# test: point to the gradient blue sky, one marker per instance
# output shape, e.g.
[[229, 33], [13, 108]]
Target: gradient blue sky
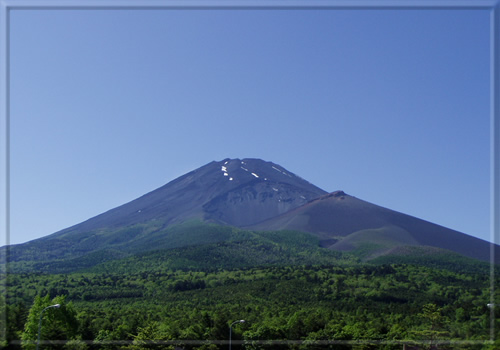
[[391, 106]]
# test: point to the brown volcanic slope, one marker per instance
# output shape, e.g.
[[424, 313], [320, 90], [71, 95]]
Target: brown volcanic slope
[[346, 223]]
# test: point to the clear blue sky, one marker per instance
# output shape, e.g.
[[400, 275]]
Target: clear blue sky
[[391, 106]]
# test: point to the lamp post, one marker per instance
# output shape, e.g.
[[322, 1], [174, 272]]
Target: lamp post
[[492, 306], [231, 329], [40, 323]]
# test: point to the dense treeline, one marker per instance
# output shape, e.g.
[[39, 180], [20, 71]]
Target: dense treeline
[[285, 307]]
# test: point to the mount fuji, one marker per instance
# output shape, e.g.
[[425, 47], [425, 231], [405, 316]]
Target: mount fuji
[[249, 194]]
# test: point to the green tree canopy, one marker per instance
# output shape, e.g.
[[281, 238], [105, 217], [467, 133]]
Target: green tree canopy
[[58, 325]]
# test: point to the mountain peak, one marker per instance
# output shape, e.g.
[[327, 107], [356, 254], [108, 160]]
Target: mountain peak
[[231, 191], [253, 168], [259, 190]]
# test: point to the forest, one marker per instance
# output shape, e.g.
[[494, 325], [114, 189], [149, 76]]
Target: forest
[[284, 307], [290, 293]]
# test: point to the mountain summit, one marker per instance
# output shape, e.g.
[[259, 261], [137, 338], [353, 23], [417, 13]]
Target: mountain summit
[[254, 195], [230, 192]]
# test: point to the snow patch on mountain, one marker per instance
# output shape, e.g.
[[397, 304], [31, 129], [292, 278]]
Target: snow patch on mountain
[[224, 170], [281, 171]]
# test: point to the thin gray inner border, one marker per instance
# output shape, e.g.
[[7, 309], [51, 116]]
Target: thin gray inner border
[[493, 5]]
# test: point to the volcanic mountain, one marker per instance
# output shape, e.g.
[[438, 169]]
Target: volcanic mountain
[[251, 194], [229, 192]]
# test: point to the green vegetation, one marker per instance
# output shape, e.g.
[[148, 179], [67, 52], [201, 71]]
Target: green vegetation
[[193, 245], [292, 294]]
